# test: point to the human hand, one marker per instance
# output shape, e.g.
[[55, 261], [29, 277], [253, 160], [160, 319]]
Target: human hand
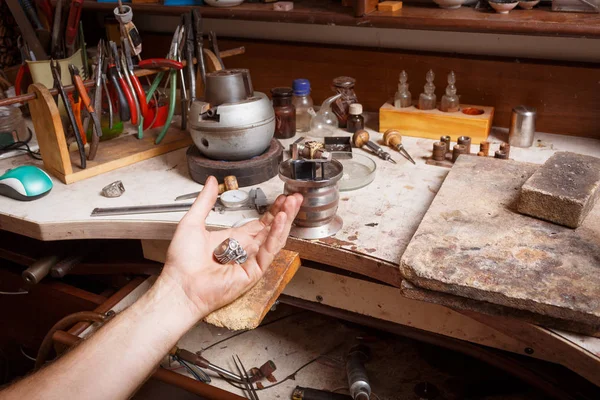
[[208, 284]]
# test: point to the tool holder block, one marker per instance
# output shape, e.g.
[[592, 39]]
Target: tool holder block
[[470, 120]]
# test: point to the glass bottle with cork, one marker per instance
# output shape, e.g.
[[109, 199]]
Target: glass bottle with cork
[[356, 121], [344, 85], [285, 112], [303, 103]]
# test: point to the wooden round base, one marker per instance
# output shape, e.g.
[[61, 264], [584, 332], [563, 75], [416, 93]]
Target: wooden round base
[[248, 172]]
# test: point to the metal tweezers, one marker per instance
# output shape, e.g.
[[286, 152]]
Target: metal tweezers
[[250, 392]]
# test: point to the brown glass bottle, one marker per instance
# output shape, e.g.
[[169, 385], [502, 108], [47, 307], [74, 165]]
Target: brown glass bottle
[[343, 85], [285, 112], [356, 121]]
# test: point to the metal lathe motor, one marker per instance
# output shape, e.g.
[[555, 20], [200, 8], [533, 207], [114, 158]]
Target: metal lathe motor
[[233, 122]]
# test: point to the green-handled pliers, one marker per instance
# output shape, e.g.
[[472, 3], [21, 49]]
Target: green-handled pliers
[[173, 52]]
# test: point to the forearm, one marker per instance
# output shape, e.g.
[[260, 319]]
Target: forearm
[[120, 356]]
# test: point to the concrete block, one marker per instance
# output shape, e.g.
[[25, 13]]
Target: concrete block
[[563, 190]]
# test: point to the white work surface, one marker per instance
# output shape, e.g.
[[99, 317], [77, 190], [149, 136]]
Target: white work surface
[[379, 219]]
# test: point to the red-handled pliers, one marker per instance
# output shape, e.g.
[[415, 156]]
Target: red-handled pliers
[[154, 63], [126, 92], [135, 82]]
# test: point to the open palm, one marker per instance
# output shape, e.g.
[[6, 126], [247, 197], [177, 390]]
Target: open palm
[[207, 283]]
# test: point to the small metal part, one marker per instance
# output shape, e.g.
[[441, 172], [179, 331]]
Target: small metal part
[[339, 144], [115, 189], [447, 140], [522, 126], [484, 147], [39, 269], [252, 395], [358, 381], [501, 155], [439, 151], [465, 141], [505, 148], [64, 266], [457, 151], [150, 209], [310, 150], [230, 250]]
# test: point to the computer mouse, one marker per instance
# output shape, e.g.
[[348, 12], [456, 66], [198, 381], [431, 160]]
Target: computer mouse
[[25, 183]]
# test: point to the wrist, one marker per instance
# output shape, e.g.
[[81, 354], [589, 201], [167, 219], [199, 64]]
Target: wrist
[[169, 295]]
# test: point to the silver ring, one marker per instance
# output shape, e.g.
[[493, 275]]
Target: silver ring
[[230, 250]]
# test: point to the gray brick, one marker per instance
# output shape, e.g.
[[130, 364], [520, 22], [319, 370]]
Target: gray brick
[[563, 190]]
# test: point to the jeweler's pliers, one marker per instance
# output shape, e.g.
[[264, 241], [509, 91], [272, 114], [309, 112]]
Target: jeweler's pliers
[[126, 110], [173, 51], [81, 90], [55, 68], [136, 101]]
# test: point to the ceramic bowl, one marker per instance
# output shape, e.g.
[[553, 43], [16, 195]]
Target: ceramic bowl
[[528, 5], [223, 3], [503, 7], [449, 4]]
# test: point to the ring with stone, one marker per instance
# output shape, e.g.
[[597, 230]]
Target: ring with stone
[[230, 250]]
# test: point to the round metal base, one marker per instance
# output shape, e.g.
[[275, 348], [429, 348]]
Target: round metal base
[[318, 232]]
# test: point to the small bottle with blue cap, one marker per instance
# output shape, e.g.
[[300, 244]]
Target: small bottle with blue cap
[[303, 103]]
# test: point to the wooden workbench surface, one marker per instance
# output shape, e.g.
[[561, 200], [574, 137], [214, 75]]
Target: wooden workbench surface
[[379, 220]]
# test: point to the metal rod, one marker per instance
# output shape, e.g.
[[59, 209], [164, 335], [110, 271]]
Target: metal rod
[[157, 208]]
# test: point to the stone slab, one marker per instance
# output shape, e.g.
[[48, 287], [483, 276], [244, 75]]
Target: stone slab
[[563, 190], [462, 303], [472, 243]]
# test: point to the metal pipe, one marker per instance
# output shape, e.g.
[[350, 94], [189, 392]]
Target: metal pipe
[[39, 269]]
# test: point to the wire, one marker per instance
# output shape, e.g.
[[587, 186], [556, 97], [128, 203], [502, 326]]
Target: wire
[[242, 332], [205, 378], [20, 143], [13, 293], [27, 356]]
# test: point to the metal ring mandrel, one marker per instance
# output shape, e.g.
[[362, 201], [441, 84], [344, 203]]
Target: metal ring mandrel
[[230, 250]]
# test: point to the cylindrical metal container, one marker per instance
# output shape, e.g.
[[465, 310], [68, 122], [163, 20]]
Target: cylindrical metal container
[[228, 86], [522, 126], [317, 217]]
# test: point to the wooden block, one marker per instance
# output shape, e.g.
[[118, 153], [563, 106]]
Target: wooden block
[[564, 190], [389, 6], [248, 311], [432, 124]]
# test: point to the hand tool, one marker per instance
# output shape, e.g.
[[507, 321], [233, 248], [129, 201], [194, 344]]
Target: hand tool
[[75, 100], [212, 39], [361, 138], [358, 381], [229, 183], [173, 51], [83, 47], [23, 71], [30, 11], [302, 393], [98, 90], [26, 29], [183, 89], [189, 56], [39, 269], [72, 27], [154, 63], [56, 24], [126, 105], [133, 95], [252, 395], [104, 67], [78, 83], [124, 14], [55, 68], [197, 359], [197, 21], [392, 138], [138, 89], [45, 8]]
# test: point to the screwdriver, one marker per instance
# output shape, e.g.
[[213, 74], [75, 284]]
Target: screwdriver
[[392, 138], [361, 138]]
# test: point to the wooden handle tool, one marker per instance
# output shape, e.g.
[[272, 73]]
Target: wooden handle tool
[[393, 139], [361, 138]]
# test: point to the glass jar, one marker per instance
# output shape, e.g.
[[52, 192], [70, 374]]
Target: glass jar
[[285, 112], [12, 122], [303, 103], [356, 121], [343, 85]]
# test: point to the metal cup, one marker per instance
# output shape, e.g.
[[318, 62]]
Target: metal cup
[[522, 126]]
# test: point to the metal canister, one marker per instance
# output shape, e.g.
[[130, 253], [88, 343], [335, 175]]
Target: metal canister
[[317, 217], [522, 126]]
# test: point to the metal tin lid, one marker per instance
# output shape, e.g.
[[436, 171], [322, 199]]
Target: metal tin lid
[[525, 110], [282, 92], [355, 109], [344, 82]]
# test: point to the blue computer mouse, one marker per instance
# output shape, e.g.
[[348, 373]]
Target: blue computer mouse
[[25, 183]]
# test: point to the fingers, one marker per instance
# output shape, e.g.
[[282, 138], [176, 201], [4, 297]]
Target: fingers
[[274, 242], [269, 216], [290, 207], [204, 202]]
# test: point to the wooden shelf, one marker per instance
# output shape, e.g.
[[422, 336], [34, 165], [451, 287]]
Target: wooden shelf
[[539, 21]]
